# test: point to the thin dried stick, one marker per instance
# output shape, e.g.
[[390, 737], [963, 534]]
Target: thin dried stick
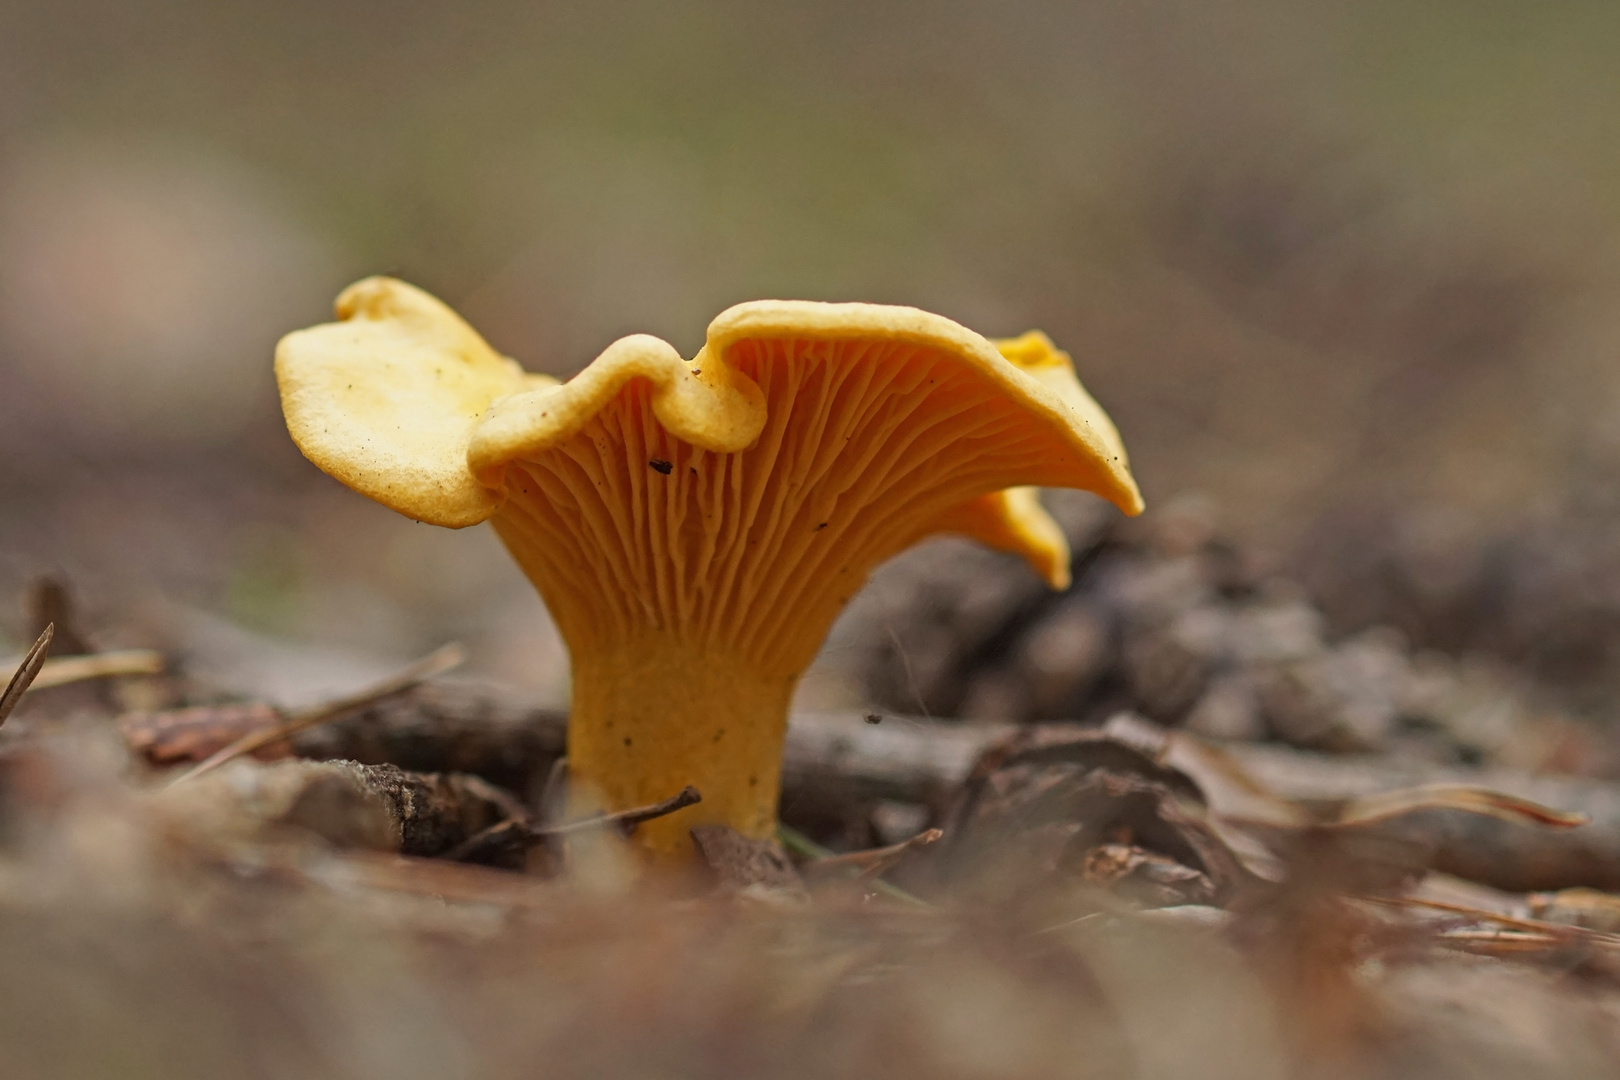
[[26, 673], [873, 861], [436, 663], [514, 833], [1501, 942], [800, 844], [626, 819], [1468, 798], [71, 669], [1564, 931]]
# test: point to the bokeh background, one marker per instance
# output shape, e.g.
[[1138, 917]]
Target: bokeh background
[[1347, 271]]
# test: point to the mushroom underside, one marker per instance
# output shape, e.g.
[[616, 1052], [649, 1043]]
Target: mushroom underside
[[694, 587]]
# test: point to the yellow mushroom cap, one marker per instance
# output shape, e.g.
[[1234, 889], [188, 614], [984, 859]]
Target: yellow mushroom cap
[[695, 526], [387, 398]]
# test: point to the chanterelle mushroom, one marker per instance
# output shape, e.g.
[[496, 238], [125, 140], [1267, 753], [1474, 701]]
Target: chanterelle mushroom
[[696, 525]]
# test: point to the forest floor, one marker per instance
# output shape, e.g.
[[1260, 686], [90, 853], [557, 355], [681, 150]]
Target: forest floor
[[1173, 825]]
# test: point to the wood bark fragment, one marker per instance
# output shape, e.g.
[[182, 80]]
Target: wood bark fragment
[[449, 725], [742, 864], [174, 736], [377, 807], [402, 682], [913, 759], [436, 812], [834, 760]]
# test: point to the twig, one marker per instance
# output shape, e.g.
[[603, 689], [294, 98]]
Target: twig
[[514, 832], [1387, 805], [436, 663], [873, 861], [26, 673], [71, 669], [1563, 931], [626, 819], [1501, 942], [800, 844]]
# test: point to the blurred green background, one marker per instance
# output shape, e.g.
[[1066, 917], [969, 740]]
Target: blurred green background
[[1319, 260]]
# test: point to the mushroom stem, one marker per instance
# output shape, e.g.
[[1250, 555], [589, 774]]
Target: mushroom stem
[[655, 713]]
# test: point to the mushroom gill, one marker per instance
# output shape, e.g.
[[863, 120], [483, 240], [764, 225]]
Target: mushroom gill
[[695, 526]]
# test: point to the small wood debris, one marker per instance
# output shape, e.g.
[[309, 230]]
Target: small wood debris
[[516, 833], [1587, 908], [740, 864], [25, 675], [196, 733], [874, 861], [443, 660]]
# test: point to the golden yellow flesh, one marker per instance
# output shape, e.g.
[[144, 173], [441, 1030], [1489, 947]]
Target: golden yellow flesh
[[387, 399], [695, 526], [694, 587]]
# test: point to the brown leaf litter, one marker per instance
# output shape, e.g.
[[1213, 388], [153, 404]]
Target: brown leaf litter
[[1105, 903]]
